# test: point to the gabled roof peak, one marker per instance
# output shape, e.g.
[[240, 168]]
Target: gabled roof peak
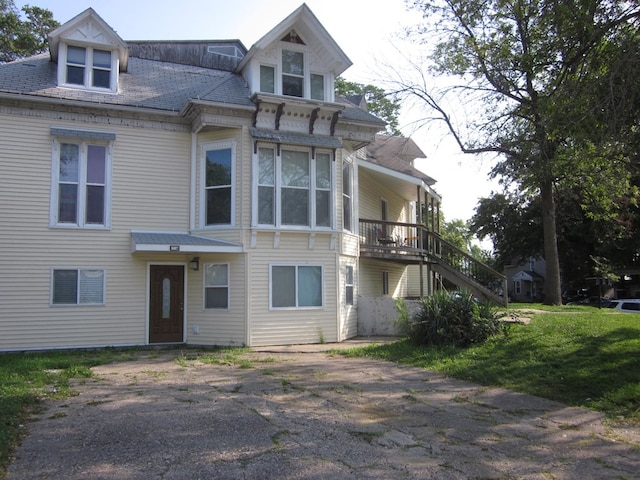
[[89, 27], [302, 27]]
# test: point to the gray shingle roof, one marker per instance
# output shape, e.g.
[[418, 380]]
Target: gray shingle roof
[[395, 153], [147, 83], [184, 242]]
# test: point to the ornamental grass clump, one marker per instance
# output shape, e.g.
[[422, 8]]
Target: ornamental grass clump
[[453, 319]]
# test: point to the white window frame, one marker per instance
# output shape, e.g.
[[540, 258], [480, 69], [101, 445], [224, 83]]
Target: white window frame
[[278, 72], [313, 188], [205, 286], [275, 77], [349, 285], [82, 183], [88, 68], [305, 72], [78, 302], [221, 145], [324, 86], [296, 267], [351, 227]]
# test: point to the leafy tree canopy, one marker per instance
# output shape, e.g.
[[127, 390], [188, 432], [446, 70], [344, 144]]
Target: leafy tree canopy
[[21, 37], [549, 88], [385, 106]]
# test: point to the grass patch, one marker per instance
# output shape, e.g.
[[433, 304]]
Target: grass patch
[[580, 356], [229, 356]]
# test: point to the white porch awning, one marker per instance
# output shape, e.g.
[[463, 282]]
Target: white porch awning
[[171, 242]]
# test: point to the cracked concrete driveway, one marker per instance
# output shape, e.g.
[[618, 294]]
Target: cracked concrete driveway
[[311, 415]]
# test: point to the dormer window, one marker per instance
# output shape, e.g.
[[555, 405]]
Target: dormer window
[[292, 73], [267, 79], [294, 81], [88, 67], [317, 86]]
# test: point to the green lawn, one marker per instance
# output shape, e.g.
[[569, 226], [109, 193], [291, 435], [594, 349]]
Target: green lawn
[[578, 355]]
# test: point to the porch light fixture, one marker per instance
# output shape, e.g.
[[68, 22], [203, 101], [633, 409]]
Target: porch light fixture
[[194, 264]]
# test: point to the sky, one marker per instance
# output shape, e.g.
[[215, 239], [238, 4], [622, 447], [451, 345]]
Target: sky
[[366, 30]]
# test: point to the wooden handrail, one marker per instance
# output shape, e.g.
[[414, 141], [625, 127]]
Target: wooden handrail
[[415, 239]]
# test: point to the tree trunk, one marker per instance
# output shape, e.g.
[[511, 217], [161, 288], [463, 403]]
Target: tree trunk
[[553, 292]]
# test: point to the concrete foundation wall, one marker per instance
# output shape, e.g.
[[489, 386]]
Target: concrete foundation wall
[[379, 315]]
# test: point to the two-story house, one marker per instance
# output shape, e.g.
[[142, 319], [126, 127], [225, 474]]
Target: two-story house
[[198, 192]]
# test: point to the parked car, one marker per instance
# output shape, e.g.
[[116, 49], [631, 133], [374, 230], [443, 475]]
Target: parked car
[[628, 305]]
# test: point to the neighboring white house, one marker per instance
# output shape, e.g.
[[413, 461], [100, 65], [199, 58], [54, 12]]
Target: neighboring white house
[[198, 192]]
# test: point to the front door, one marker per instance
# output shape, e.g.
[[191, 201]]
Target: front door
[[166, 304]]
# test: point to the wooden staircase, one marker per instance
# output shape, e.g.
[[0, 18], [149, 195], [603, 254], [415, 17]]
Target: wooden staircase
[[411, 244]]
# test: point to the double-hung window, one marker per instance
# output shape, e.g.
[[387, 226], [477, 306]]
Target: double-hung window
[[218, 178], [292, 73], [216, 286], [293, 188], [293, 78], [296, 286], [89, 67], [77, 286], [349, 285], [347, 196], [80, 190]]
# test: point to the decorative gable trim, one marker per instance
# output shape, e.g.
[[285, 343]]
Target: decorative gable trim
[[306, 25]]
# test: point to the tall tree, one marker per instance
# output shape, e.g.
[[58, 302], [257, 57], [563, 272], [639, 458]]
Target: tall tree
[[384, 105], [23, 37], [530, 72]]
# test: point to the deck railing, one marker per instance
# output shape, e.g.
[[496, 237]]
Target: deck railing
[[406, 242]]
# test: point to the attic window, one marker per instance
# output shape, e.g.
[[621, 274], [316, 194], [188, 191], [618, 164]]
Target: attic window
[[293, 37], [292, 73], [88, 67]]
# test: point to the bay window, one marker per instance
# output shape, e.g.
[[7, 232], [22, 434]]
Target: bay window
[[347, 196], [348, 285], [294, 188]]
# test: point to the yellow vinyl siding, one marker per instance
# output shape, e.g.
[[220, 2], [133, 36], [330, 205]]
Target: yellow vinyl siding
[[370, 278], [151, 180], [348, 327], [371, 193], [218, 326], [304, 325], [149, 190]]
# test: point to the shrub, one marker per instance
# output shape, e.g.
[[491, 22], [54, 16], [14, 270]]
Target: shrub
[[455, 319]]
